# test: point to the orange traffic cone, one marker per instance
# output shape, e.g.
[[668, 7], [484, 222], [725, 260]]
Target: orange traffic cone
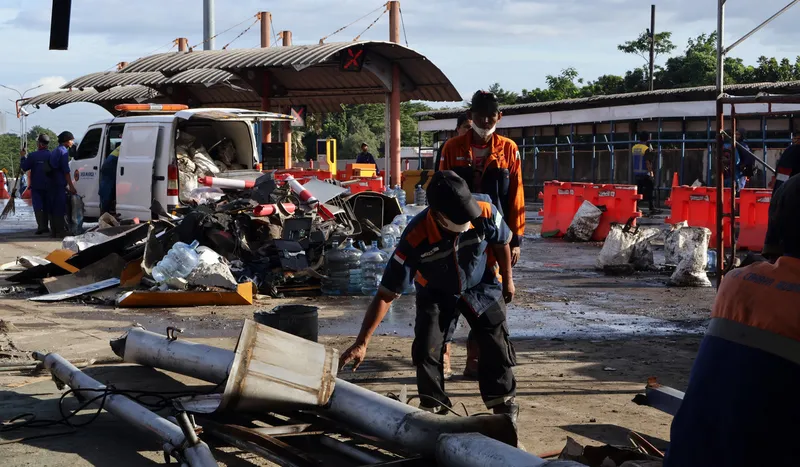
[[675, 179]]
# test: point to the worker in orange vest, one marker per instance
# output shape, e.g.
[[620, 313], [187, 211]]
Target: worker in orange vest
[[490, 164]]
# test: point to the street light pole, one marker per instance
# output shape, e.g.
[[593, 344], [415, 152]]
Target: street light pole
[[21, 116]]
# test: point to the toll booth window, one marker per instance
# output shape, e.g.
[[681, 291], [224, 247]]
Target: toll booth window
[[90, 144]]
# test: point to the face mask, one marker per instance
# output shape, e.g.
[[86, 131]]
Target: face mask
[[483, 133], [447, 224]]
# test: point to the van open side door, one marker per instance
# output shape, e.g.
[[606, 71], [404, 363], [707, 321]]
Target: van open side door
[[135, 170]]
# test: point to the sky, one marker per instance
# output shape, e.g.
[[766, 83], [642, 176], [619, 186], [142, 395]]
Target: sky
[[516, 43]]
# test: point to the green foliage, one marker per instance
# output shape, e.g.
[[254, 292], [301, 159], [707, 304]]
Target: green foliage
[[696, 66], [356, 124], [641, 46], [9, 147]]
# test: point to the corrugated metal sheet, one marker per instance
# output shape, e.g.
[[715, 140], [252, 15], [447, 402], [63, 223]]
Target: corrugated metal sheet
[[430, 82], [200, 76], [117, 94], [109, 79], [60, 97], [124, 93], [662, 95]]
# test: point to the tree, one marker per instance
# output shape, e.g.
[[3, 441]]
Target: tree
[[504, 97], [641, 45]]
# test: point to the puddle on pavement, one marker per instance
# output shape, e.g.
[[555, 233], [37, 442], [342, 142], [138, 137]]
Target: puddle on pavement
[[22, 219], [574, 320], [558, 320]]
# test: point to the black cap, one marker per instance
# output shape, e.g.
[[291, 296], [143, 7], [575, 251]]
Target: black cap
[[449, 194], [484, 102], [44, 139], [65, 136]]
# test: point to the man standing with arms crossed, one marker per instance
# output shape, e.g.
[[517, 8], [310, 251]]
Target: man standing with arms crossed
[[445, 248], [490, 164]]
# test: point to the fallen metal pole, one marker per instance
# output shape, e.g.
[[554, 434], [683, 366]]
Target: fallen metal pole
[[156, 350], [174, 441], [408, 427], [476, 450]]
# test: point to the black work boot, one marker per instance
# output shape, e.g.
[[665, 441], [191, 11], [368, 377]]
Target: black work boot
[[511, 408], [41, 222], [58, 227]]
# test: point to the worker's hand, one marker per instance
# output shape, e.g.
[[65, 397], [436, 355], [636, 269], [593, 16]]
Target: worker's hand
[[509, 290], [355, 354], [515, 252], [72, 190]]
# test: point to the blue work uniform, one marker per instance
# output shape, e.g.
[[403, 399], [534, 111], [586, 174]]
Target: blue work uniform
[[108, 181], [38, 163], [455, 274], [731, 164], [59, 161]]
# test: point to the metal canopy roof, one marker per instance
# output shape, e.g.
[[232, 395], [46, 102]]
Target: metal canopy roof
[[298, 75]]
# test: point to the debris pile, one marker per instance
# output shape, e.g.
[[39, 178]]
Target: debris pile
[[232, 239]]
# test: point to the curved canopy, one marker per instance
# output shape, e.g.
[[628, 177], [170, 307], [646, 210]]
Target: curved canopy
[[308, 75]]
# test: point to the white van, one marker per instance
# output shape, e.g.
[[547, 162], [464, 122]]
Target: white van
[[147, 169]]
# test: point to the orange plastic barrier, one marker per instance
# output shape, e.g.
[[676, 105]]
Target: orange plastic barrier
[[621, 202], [753, 216], [698, 207], [3, 191], [367, 184], [561, 202]]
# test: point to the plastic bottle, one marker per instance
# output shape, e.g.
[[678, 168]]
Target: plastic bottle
[[401, 195], [711, 261], [179, 262], [343, 270], [373, 263], [332, 284], [388, 239], [389, 191], [420, 198]]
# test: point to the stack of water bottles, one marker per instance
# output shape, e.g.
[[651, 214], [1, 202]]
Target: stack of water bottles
[[373, 263], [396, 192], [343, 270], [179, 262]]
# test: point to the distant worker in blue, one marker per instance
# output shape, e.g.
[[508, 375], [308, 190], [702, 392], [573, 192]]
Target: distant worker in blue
[[38, 163], [108, 182], [61, 182], [365, 157], [643, 170]]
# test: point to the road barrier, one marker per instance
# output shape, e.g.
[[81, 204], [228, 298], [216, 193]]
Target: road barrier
[[620, 201], [753, 218], [698, 207]]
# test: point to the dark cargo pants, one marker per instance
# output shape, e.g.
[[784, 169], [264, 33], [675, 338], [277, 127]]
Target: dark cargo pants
[[434, 326]]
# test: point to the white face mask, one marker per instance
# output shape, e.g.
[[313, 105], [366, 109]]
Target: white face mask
[[483, 133], [450, 225]]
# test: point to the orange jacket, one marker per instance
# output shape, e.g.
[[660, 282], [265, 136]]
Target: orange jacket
[[457, 152]]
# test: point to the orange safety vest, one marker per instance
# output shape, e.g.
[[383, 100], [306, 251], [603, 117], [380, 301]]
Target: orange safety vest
[[504, 154]]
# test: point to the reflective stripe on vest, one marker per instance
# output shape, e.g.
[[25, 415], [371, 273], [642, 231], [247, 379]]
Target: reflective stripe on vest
[[756, 338]]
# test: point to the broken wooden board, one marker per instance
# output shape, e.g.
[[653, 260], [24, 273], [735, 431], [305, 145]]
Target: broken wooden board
[[77, 292], [60, 257], [145, 298], [110, 267]]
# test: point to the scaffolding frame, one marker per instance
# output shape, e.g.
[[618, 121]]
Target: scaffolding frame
[[722, 99]]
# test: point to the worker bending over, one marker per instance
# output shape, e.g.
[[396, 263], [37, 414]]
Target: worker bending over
[[741, 405], [445, 248]]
